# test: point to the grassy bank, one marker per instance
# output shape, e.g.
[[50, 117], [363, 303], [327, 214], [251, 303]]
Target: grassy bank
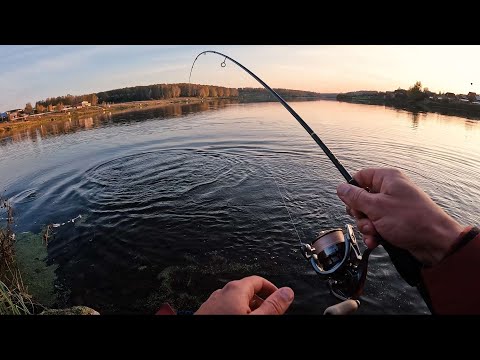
[[26, 282], [14, 298]]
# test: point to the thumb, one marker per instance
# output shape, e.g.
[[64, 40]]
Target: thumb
[[277, 303], [356, 198]]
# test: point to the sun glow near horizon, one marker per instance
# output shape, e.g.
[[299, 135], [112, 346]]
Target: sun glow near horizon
[[32, 73]]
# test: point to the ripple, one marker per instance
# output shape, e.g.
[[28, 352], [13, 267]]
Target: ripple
[[158, 192], [24, 196]]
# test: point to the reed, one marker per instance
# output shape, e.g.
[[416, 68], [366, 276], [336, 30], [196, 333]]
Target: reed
[[14, 298]]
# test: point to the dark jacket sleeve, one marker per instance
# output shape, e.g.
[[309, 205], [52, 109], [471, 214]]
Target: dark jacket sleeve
[[453, 285]]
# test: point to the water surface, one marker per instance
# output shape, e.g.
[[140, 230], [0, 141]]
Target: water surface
[[175, 202]]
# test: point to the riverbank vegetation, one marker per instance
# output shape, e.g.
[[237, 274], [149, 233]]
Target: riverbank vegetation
[[417, 99], [27, 282], [14, 298]]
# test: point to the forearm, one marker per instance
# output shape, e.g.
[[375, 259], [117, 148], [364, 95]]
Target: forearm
[[453, 284]]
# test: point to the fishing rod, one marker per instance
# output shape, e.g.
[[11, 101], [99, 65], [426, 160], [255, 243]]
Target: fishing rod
[[309, 130], [335, 255]]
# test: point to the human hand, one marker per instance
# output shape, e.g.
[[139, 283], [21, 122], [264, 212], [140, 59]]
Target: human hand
[[401, 213], [252, 295]]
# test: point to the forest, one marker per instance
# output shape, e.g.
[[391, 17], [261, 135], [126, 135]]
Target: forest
[[167, 91]]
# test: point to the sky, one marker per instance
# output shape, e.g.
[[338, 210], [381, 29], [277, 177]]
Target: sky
[[33, 73]]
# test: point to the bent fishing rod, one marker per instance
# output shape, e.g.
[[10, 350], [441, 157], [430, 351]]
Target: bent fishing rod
[[335, 255], [309, 130]]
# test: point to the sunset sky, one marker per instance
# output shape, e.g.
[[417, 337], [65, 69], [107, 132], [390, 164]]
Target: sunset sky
[[32, 73]]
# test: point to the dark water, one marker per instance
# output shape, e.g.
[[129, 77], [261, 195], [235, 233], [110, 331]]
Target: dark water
[[175, 202]]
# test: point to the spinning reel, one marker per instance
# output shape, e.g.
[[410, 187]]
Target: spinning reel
[[336, 258]]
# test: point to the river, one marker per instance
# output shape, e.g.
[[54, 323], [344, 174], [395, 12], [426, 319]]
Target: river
[[176, 201]]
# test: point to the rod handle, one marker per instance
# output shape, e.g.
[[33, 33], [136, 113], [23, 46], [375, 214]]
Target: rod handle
[[406, 264]]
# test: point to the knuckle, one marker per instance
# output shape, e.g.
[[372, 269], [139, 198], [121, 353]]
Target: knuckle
[[357, 195], [253, 277], [396, 172], [232, 285], [215, 294]]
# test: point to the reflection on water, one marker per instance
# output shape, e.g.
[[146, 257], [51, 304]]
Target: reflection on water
[[33, 131], [36, 131], [177, 201]]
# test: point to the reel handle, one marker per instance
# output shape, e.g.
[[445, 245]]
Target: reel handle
[[344, 308]]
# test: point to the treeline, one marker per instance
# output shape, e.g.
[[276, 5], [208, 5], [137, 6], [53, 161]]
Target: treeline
[[68, 100], [164, 91], [262, 93]]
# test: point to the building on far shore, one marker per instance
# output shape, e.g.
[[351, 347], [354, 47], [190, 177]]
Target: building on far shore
[[450, 96], [82, 105], [14, 114], [472, 96]]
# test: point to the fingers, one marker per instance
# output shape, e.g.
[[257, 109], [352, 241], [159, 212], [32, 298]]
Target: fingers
[[374, 178], [366, 226], [255, 302], [370, 241], [365, 177], [257, 285], [277, 303], [357, 198], [354, 213]]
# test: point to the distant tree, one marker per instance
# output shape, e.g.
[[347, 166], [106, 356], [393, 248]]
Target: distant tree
[[28, 108], [69, 100], [415, 92], [40, 108], [207, 91], [204, 92], [176, 91], [50, 107], [426, 90], [94, 99], [167, 91], [59, 107]]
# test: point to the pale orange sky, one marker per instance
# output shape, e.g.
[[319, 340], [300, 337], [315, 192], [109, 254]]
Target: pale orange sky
[[32, 73]]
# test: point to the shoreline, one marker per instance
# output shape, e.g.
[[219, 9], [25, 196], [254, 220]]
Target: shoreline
[[126, 107], [119, 108], [464, 111]]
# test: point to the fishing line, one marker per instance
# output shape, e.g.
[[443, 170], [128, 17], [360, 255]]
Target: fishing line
[[408, 266], [285, 204]]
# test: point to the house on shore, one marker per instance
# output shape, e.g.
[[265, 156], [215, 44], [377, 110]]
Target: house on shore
[[82, 105], [450, 96], [12, 115]]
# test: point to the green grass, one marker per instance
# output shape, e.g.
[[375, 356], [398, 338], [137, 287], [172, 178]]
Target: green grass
[[24, 255], [14, 302], [31, 254]]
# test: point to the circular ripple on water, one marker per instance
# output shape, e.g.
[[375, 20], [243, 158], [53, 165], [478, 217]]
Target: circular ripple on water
[[149, 210], [152, 210], [155, 206]]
